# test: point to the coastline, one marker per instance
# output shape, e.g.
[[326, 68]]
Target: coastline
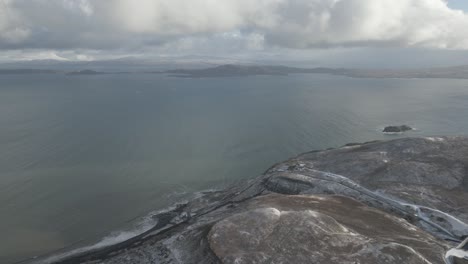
[[323, 174]]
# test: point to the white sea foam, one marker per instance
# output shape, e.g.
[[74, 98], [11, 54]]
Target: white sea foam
[[141, 226], [112, 239], [121, 236], [435, 139]]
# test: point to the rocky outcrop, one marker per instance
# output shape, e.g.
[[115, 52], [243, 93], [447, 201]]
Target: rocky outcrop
[[399, 201], [397, 129]]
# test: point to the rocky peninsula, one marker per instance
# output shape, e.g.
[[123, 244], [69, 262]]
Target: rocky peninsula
[[398, 201]]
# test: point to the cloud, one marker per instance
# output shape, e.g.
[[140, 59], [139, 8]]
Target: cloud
[[11, 31], [259, 24]]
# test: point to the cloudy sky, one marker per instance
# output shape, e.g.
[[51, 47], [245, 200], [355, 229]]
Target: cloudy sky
[[367, 32]]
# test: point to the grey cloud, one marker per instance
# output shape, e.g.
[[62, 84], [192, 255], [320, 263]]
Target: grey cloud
[[296, 24]]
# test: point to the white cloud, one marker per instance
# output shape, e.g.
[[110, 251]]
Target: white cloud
[[301, 24], [44, 55], [11, 30], [426, 23], [83, 6]]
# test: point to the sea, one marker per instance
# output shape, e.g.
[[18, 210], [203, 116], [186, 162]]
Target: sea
[[86, 160]]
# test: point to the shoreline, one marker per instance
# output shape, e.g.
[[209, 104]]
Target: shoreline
[[309, 174]]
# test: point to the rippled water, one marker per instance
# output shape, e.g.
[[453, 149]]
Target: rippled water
[[84, 155]]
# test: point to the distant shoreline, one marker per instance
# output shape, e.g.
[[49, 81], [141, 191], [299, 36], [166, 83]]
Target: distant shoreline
[[232, 70]]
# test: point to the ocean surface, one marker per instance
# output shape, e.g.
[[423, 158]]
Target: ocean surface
[[87, 159]]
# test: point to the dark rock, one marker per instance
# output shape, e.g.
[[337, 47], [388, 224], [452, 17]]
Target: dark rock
[[397, 129]]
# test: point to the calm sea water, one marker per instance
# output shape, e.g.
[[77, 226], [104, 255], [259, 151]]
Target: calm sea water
[[82, 156]]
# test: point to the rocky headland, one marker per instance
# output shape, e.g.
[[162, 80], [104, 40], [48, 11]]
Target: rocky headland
[[398, 201]]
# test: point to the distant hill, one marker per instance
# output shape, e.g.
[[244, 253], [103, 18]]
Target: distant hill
[[230, 70], [247, 70], [456, 72], [188, 70], [46, 71], [86, 72], [27, 71]]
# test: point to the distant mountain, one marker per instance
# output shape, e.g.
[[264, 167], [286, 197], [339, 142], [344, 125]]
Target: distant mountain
[[27, 71], [230, 70], [456, 72], [45, 71], [126, 64], [86, 72], [247, 70], [201, 67]]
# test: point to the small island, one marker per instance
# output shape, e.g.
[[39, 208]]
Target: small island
[[397, 129]]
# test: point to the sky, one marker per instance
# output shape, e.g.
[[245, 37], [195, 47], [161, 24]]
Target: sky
[[362, 33], [459, 4]]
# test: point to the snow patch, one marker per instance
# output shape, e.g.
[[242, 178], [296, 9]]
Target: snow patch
[[455, 252]]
